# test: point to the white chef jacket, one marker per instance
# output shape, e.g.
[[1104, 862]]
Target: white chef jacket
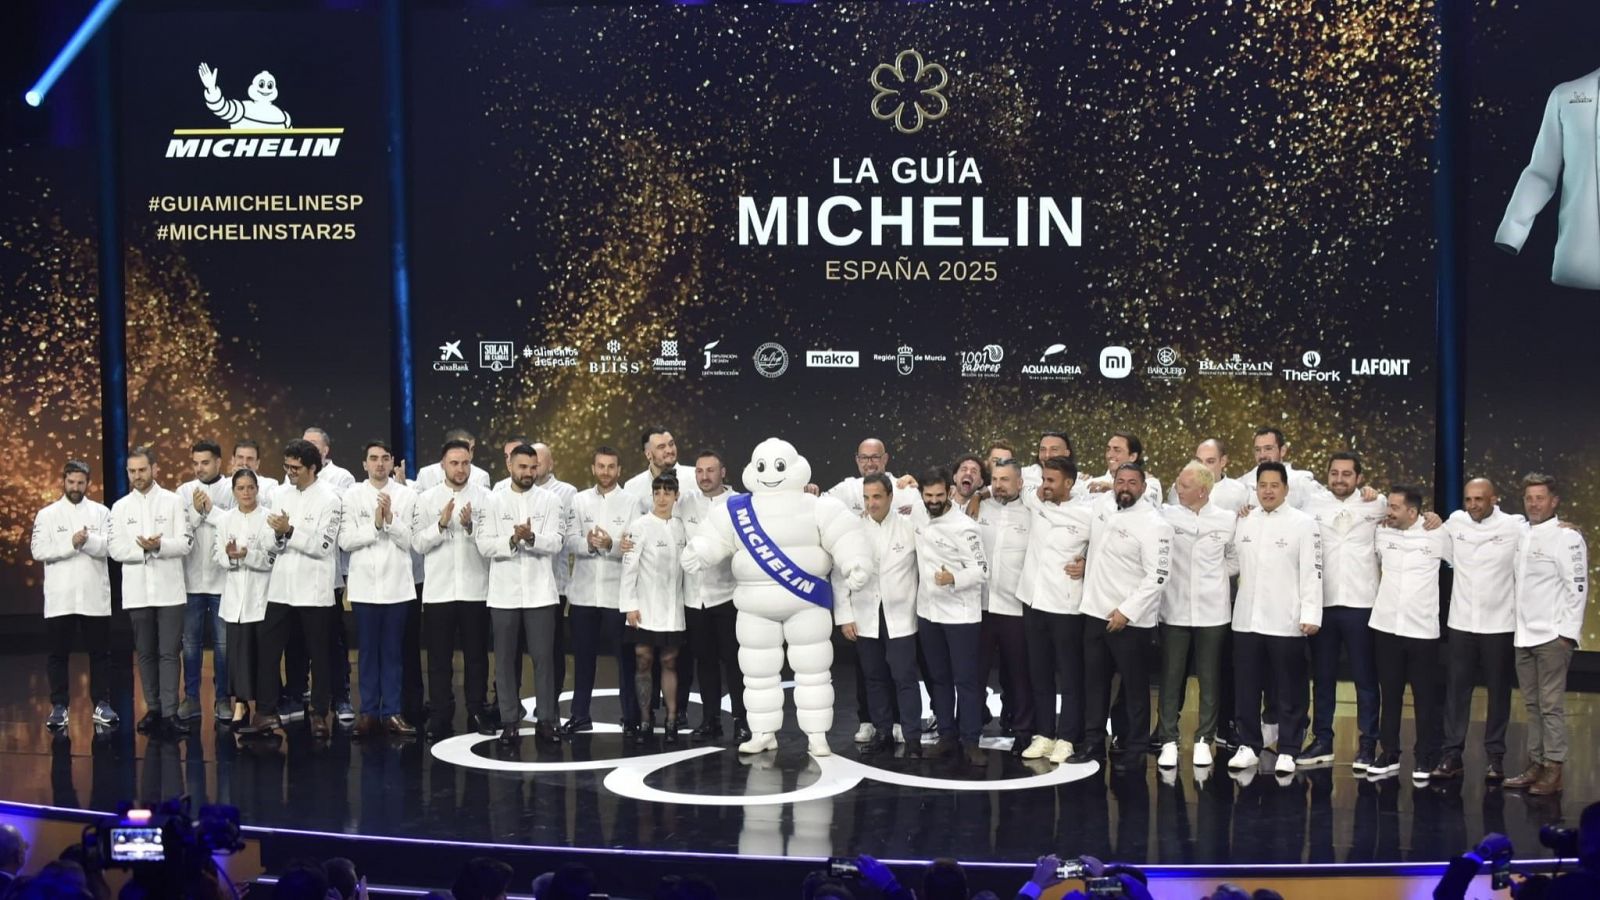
[[1408, 593], [244, 581], [1302, 487], [1004, 527], [851, 493], [891, 581], [520, 576], [308, 560], [1227, 494], [380, 555], [1057, 535], [639, 485], [713, 585], [1130, 558], [1483, 596], [1552, 576], [950, 542], [652, 574], [1203, 557], [76, 580], [151, 579], [432, 475], [453, 569], [596, 575], [561, 562], [1349, 546], [1280, 572], [336, 477], [201, 574]]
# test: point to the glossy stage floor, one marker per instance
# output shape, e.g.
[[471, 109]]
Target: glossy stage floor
[[597, 793]]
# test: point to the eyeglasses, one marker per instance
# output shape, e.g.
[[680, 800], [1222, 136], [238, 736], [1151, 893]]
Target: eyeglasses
[[869, 457]]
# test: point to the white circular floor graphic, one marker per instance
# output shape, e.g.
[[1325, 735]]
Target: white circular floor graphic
[[835, 774]]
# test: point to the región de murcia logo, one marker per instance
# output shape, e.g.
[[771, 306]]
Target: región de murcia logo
[[909, 92]]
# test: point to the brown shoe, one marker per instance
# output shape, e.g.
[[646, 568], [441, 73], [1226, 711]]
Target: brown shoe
[[1549, 782], [368, 726], [319, 725], [398, 726], [260, 726], [1527, 779]]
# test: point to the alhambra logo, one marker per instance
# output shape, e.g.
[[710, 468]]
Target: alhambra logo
[[255, 126], [909, 92]]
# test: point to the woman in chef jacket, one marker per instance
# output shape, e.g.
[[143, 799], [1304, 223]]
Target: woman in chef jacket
[[245, 548], [651, 596]]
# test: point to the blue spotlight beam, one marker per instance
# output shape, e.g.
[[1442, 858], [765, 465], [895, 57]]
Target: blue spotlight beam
[[86, 32]]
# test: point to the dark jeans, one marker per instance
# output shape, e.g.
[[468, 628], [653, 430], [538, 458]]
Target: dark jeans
[[1055, 666], [596, 630], [1008, 636], [411, 693], [96, 640], [955, 687], [715, 647], [1176, 643], [1344, 626], [1123, 652], [1260, 660], [1491, 656], [202, 608], [316, 624], [463, 623], [889, 670], [381, 632], [157, 647], [1414, 660]]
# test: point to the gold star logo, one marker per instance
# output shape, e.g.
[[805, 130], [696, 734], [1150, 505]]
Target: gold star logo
[[910, 92]]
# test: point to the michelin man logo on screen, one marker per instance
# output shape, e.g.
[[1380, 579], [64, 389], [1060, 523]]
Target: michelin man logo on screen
[[255, 126]]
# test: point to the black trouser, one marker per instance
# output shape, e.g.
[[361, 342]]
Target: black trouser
[[1266, 659], [955, 688], [411, 659], [316, 624], [453, 623], [597, 630], [244, 667], [96, 640], [715, 647], [1493, 656], [1413, 660], [1122, 652], [1055, 665], [1008, 635], [889, 671]]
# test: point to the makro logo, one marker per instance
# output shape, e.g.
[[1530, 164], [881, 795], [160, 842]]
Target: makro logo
[[833, 359], [1116, 362], [255, 126]]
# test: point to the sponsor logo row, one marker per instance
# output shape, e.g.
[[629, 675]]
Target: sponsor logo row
[[772, 359]]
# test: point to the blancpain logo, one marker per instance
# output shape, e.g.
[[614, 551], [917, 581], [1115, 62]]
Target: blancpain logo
[[1047, 370], [256, 126], [1377, 366], [1236, 365], [1166, 367], [1312, 360], [833, 359]]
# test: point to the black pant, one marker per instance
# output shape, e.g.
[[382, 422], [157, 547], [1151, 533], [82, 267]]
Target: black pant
[[1055, 665], [1008, 635], [244, 667], [1492, 656], [1413, 660], [96, 640], [1266, 659], [715, 646], [1123, 652], [316, 624], [411, 659], [954, 686], [889, 671], [596, 630], [463, 623]]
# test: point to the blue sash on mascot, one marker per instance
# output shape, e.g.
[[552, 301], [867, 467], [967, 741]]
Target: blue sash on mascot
[[774, 561]]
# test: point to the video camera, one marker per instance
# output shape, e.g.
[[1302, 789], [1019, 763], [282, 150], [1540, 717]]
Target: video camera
[[164, 845]]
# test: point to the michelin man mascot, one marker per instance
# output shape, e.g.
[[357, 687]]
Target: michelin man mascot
[[784, 542]]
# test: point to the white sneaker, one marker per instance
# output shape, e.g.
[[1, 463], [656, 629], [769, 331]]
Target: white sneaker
[[1169, 756], [1244, 759], [1269, 735], [866, 733], [1202, 754], [1039, 747], [817, 745], [1060, 752], [1285, 764], [899, 735]]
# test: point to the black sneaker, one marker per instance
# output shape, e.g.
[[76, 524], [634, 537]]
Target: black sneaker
[[58, 717], [576, 725], [1364, 758], [1315, 753], [150, 723], [1086, 755], [1384, 766]]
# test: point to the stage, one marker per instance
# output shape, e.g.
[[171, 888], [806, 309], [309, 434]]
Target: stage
[[596, 793]]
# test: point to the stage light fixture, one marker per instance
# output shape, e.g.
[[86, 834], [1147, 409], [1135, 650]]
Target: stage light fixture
[[86, 31]]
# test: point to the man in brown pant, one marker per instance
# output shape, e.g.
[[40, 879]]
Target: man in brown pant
[[1552, 579]]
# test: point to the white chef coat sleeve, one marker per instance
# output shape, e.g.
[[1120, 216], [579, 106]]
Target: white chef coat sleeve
[[1575, 575], [177, 546], [492, 543], [318, 541], [260, 550], [96, 545], [123, 547], [628, 586], [398, 532], [1310, 588], [425, 531], [362, 530], [45, 545], [1155, 556], [977, 573], [1537, 184]]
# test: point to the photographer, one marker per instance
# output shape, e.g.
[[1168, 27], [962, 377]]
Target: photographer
[[1585, 882]]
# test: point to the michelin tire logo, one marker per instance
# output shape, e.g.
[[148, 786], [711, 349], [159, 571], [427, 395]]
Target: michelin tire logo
[[256, 126]]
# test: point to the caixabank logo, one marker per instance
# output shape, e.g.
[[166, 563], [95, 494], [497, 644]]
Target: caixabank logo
[[253, 127]]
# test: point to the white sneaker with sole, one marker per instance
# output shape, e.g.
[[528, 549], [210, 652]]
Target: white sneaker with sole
[[1169, 756], [1284, 765], [1202, 754], [1039, 747], [1060, 752], [1244, 759], [866, 733]]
